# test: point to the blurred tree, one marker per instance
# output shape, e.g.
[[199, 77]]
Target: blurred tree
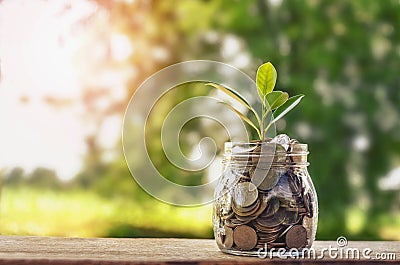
[[152, 33], [14, 178], [342, 54], [44, 178]]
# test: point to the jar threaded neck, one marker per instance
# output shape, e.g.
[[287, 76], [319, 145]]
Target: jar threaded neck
[[265, 154]]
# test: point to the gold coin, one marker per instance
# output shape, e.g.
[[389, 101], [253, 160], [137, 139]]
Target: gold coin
[[261, 208], [269, 222], [244, 194], [268, 240], [272, 207], [244, 237], [246, 218], [277, 245], [232, 223], [296, 237], [288, 217], [266, 179], [264, 229], [267, 237], [285, 230], [246, 211]]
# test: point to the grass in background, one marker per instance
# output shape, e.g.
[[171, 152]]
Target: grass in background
[[30, 211], [26, 211]]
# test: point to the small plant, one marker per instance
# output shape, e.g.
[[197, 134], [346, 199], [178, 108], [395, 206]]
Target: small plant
[[277, 102]]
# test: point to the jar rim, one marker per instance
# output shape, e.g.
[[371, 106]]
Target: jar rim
[[242, 153], [292, 148]]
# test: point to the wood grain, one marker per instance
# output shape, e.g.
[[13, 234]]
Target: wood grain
[[52, 250]]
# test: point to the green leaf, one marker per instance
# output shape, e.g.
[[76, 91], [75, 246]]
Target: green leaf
[[237, 97], [242, 116], [232, 94], [276, 99], [285, 108], [266, 79]]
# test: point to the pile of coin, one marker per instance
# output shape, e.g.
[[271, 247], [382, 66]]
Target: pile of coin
[[266, 207]]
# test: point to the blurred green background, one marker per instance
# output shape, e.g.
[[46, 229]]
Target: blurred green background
[[68, 70]]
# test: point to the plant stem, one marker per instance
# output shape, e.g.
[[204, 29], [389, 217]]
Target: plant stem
[[262, 125], [267, 128]]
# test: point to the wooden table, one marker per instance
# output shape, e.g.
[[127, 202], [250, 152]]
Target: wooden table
[[52, 250]]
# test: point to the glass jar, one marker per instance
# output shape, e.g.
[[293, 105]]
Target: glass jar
[[265, 199]]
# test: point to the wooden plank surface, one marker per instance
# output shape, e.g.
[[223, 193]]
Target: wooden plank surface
[[52, 250]]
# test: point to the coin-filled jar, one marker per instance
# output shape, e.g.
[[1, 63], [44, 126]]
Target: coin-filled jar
[[265, 198]]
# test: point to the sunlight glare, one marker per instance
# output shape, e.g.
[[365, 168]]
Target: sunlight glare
[[37, 49]]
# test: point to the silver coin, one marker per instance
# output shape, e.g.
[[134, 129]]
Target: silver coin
[[245, 194], [267, 180]]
